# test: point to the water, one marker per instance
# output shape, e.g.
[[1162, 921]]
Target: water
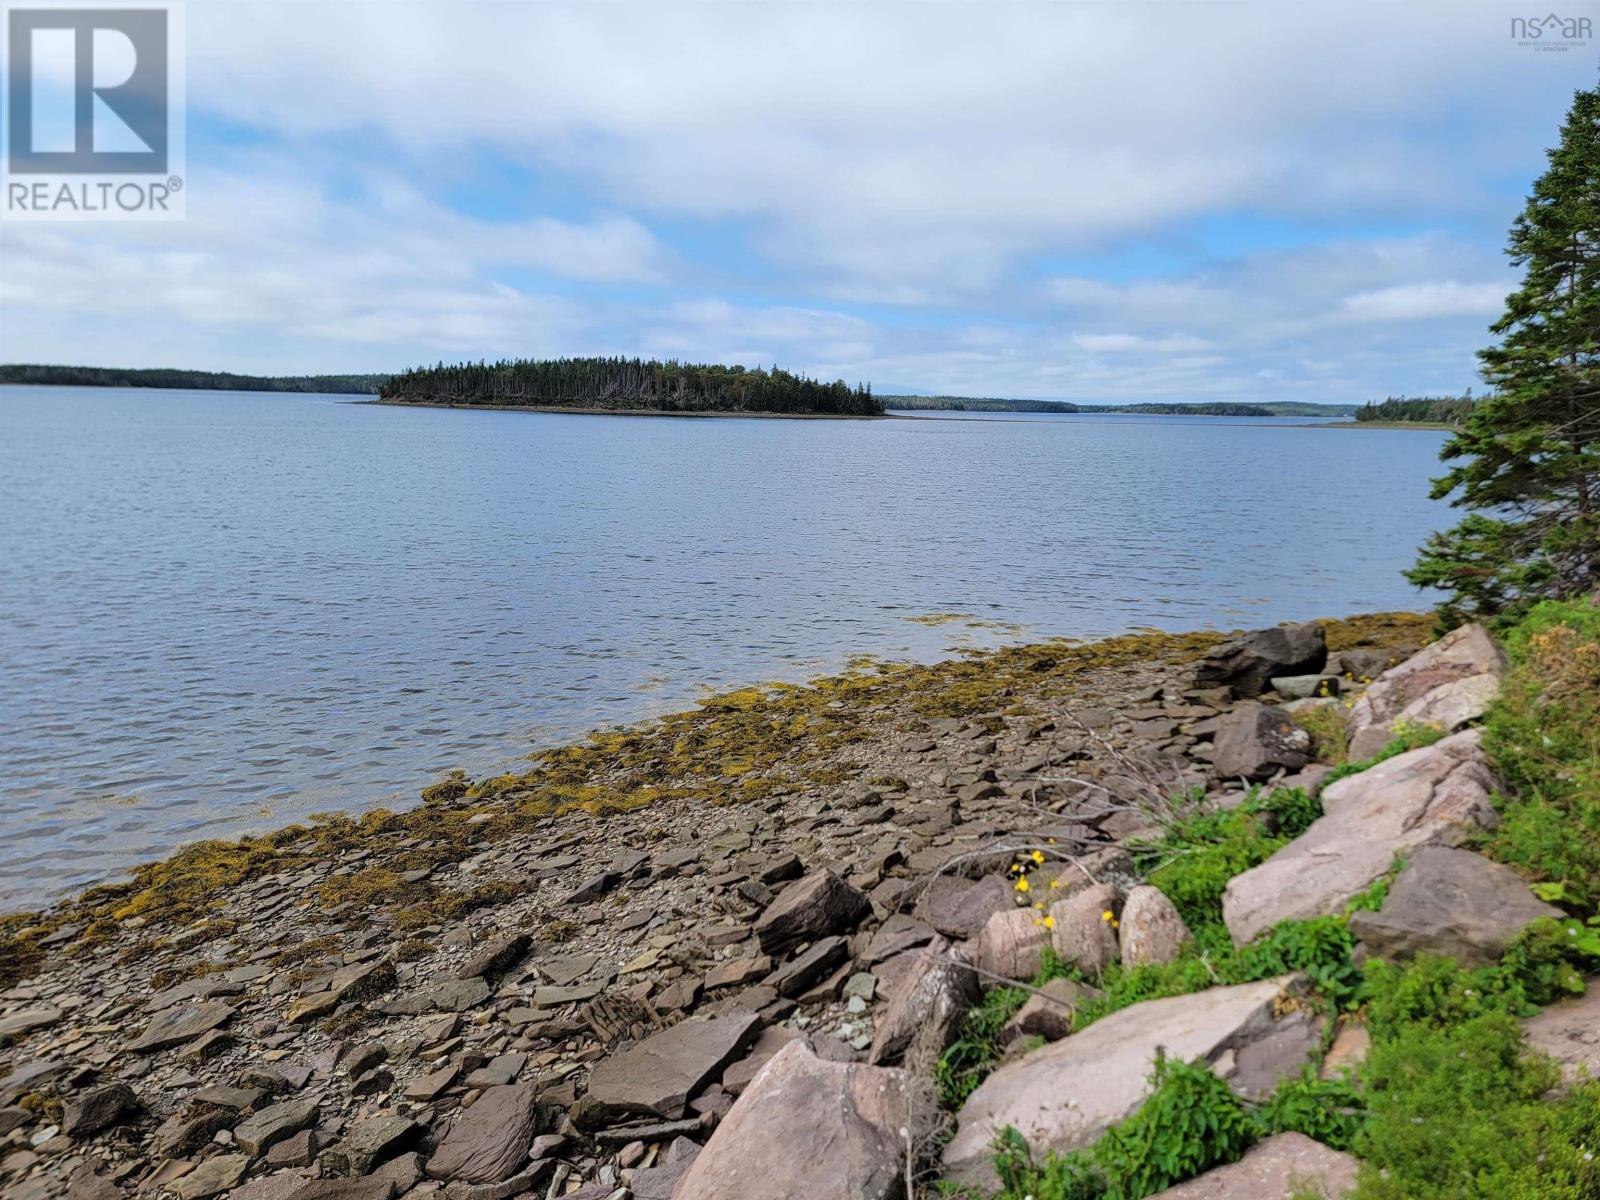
[[224, 611]]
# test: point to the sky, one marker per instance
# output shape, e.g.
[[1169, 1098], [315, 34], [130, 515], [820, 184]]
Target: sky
[[1097, 202]]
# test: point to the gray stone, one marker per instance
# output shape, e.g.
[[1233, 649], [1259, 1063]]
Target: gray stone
[[1066, 1094], [796, 976], [1569, 1032], [1011, 945], [99, 1109], [212, 1177], [806, 1129], [496, 956], [370, 1141], [25, 1021], [661, 1073], [1083, 934], [1448, 684], [256, 1134], [1048, 1012], [1153, 932], [1256, 741], [1451, 903], [959, 908], [773, 1038], [926, 1006], [658, 1182], [812, 907], [1276, 1168], [181, 1024], [489, 1141], [1306, 687], [1436, 795], [1245, 664]]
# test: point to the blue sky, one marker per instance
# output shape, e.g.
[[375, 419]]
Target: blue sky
[[1096, 202]]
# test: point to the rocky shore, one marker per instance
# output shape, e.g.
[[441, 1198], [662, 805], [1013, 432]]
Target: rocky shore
[[718, 957]]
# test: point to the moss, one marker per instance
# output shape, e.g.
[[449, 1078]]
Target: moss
[[560, 930]]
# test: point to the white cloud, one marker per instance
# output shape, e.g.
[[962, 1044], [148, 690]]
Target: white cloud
[[1415, 301]]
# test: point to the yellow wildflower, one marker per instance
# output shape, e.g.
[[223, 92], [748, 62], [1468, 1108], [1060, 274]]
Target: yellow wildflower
[[1022, 884], [1048, 922], [1037, 856], [1106, 916]]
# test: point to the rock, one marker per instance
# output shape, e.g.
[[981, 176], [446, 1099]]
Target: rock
[[1152, 930], [16, 1024], [1433, 795], [496, 957], [806, 1129], [736, 972], [489, 1141], [1451, 903], [774, 1038], [661, 1073], [1349, 1049], [1256, 741], [1306, 687], [257, 1134], [795, 977], [812, 907], [1245, 664], [1569, 1032], [181, 1024], [1048, 1013], [959, 908], [1083, 935], [895, 936], [369, 1142], [1280, 1167], [212, 1177], [363, 981], [1066, 1094], [659, 1182], [1449, 683], [371, 1188], [926, 1007], [99, 1109], [85, 1184], [1011, 945]]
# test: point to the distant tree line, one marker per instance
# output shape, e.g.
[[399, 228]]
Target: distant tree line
[[985, 404], [1432, 410], [162, 377], [628, 383]]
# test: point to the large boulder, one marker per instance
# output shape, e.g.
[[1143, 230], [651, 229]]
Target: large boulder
[[1449, 684], [489, 1141], [1452, 903], [1012, 945], [1066, 1094], [926, 1007], [1085, 932], [819, 904], [1256, 741], [661, 1074], [1247, 663], [1153, 931], [959, 907], [806, 1129], [1437, 794], [1276, 1168]]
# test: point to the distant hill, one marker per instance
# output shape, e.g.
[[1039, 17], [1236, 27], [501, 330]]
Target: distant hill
[[628, 385], [1288, 408], [161, 377], [1449, 411]]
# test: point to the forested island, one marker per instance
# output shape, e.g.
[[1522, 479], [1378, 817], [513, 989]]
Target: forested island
[[1208, 409], [1448, 411], [628, 385], [163, 377]]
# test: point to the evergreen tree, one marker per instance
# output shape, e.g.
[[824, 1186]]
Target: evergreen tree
[[1529, 453]]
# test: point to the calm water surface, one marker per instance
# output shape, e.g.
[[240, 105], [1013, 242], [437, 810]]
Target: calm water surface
[[222, 611]]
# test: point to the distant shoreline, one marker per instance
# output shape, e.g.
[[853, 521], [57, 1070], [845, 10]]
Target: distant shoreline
[[593, 411]]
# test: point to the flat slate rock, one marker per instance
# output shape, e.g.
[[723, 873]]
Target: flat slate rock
[[1275, 1168], [489, 1141], [661, 1073], [810, 908], [181, 1024]]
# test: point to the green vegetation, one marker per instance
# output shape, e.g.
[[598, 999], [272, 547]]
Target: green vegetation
[[971, 1057], [1544, 735], [624, 384], [1450, 1104], [1427, 410], [211, 381], [1408, 736], [1528, 456]]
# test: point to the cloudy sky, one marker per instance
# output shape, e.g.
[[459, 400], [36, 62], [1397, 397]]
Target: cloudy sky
[[1105, 202]]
